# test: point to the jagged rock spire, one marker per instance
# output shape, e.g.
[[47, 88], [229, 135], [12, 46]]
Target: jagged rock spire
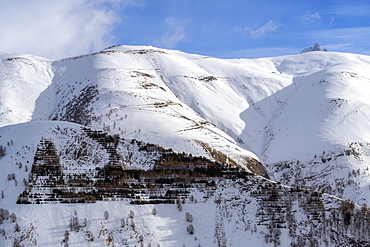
[[316, 47]]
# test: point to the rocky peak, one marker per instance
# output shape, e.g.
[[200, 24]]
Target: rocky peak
[[316, 47]]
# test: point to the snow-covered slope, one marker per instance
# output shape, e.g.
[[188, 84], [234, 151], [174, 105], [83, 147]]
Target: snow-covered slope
[[22, 79], [86, 188], [304, 116], [300, 108], [319, 136], [123, 91]]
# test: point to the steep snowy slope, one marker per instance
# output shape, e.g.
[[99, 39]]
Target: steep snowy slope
[[64, 184], [22, 79], [319, 137], [122, 91], [310, 108]]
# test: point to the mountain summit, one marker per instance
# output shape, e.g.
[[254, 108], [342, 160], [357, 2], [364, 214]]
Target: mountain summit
[[316, 47]]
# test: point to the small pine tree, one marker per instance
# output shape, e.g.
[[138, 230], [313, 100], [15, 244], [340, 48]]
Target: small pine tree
[[16, 243], [74, 224], [13, 217], [154, 211], [17, 228], [123, 223], [131, 214], [188, 217], [2, 151], [132, 224], [110, 238], [179, 205], [5, 214], [141, 238], [116, 139], [66, 236], [190, 229], [90, 236], [2, 194]]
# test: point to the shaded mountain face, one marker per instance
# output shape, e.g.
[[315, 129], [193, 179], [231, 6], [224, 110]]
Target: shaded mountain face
[[135, 126]]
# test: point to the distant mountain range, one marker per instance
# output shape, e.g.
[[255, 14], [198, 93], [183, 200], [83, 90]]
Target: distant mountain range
[[136, 145]]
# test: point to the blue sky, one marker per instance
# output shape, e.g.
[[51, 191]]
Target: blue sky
[[238, 28], [219, 28]]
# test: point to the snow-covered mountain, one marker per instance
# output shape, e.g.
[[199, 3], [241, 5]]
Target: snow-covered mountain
[[128, 115]]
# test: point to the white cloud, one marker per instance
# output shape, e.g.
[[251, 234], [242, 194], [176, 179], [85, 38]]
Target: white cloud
[[175, 32], [261, 31], [57, 29], [310, 17]]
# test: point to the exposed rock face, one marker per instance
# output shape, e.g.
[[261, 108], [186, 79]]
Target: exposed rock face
[[316, 47]]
